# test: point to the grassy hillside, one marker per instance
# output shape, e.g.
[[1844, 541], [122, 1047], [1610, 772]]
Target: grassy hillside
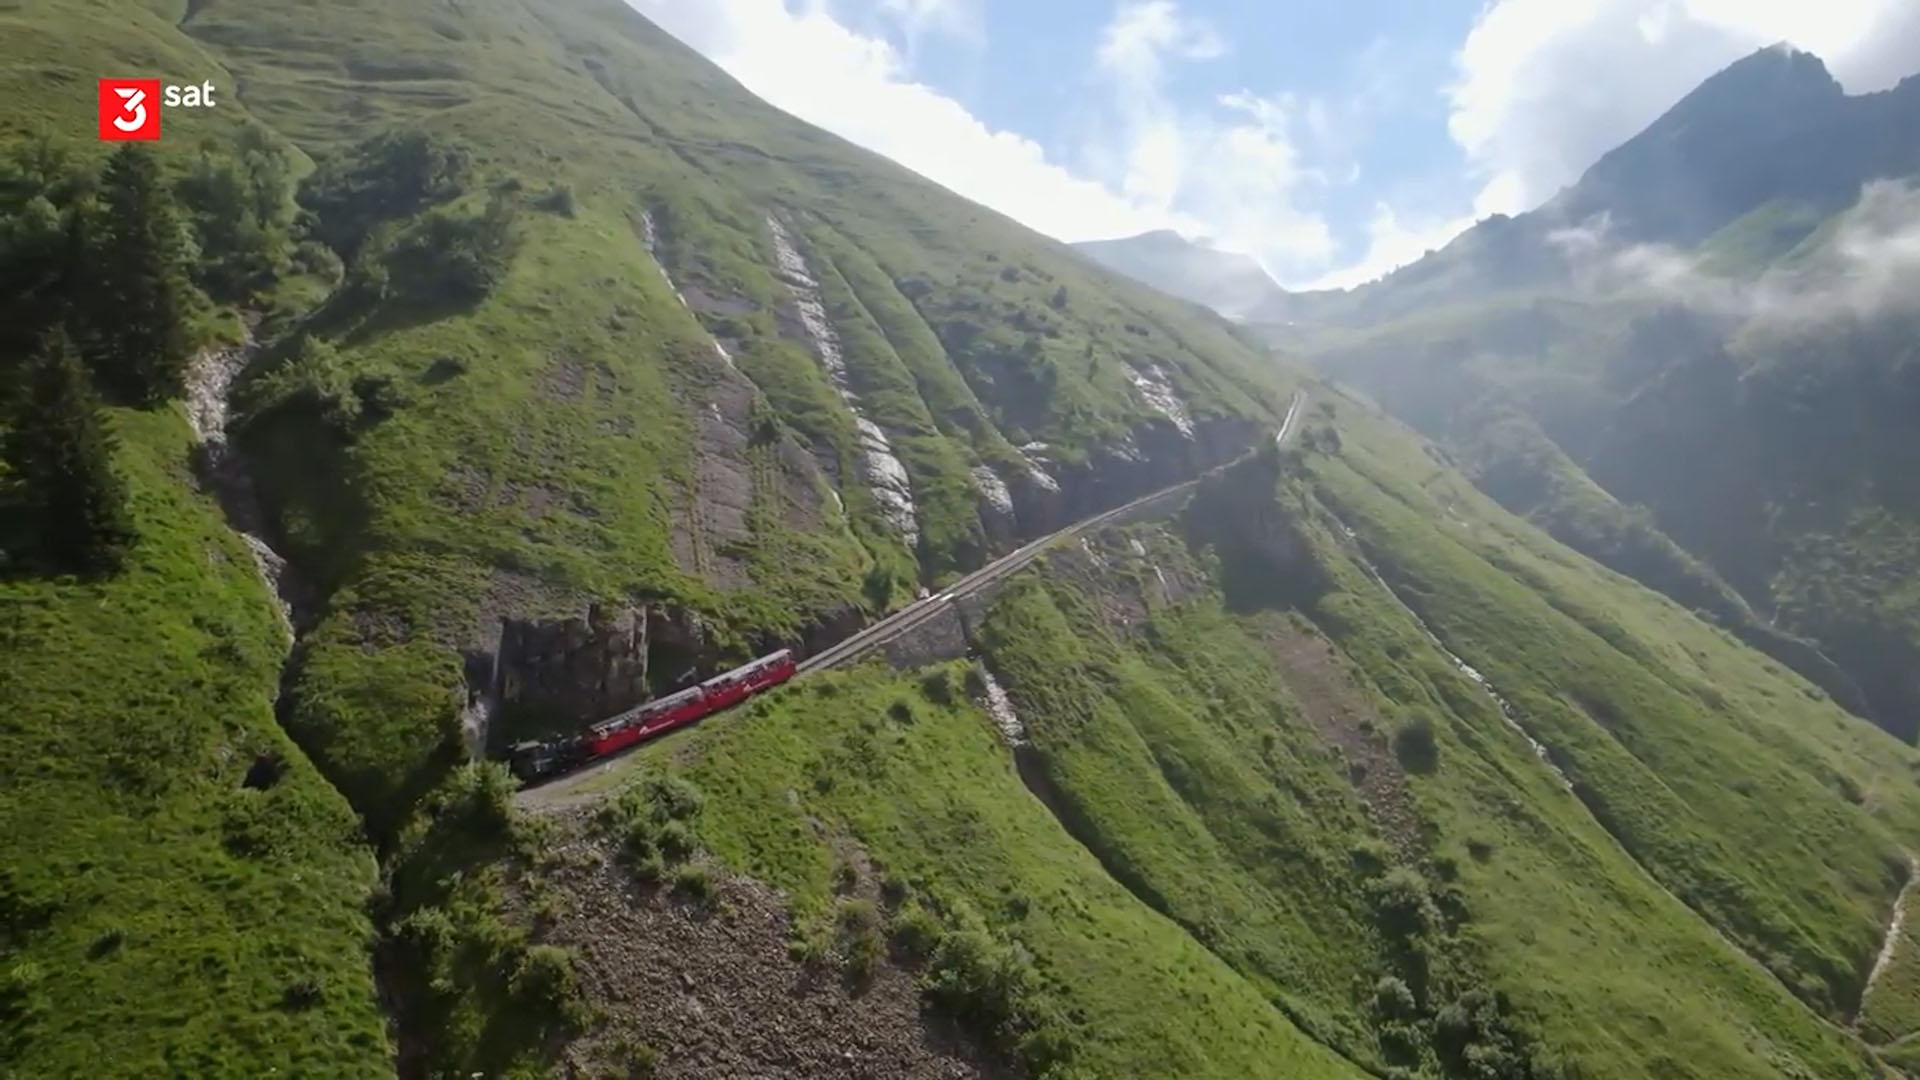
[[1756, 469], [1232, 724], [178, 878], [565, 316], [527, 343]]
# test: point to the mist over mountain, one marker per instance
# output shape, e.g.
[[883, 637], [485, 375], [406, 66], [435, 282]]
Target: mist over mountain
[[1755, 158], [1232, 285], [1695, 365]]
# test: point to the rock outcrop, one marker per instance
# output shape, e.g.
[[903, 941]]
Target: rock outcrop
[[614, 658]]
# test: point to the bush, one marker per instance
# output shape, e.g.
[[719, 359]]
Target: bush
[[384, 178], [938, 687], [674, 841], [809, 943], [557, 200], [478, 800], [314, 377], [916, 931], [860, 938], [673, 798], [695, 882], [1403, 904], [1394, 1000], [452, 257], [1416, 745], [545, 984]]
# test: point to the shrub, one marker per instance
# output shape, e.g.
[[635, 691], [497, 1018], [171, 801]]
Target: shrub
[[694, 881], [938, 687], [809, 943], [916, 931], [544, 983], [478, 800], [642, 1061], [1394, 1000], [454, 257], [1415, 744], [383, 178], [673, 798], [1403, 903], [557, 200], [860, 936], [674, 841]]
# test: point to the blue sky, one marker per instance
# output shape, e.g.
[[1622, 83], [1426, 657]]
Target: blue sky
[[1331, 139]]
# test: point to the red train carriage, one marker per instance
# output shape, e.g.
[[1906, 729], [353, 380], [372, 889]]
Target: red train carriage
[[533, 760]]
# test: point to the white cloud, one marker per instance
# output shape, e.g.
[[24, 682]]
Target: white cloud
[[919, 19], [1870, 264], [1136, 45], [1231, 164], [859, 87], [1547, 86], [1228, 170], [1391, 244]]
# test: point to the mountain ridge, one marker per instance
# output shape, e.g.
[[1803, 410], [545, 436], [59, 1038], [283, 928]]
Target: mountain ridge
[[1232, 285]]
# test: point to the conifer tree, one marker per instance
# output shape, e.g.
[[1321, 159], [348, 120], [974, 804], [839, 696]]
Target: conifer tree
[[60, 453], [135, 292]]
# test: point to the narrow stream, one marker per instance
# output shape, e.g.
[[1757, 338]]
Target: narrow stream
[[1507, 711]]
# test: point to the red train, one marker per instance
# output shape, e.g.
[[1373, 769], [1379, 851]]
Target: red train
[[537, 759]]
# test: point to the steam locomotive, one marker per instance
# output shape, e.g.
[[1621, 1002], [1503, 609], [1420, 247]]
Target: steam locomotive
[[539, 759]]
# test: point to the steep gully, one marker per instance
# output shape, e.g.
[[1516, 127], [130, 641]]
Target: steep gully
[[221, 468], [1897, 918]]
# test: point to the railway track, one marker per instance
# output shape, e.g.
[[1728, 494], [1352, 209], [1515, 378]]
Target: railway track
[[559, 793], [920, 611]]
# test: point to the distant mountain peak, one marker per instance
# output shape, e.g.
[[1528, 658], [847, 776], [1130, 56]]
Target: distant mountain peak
[[1193, 269], [1779, 67]]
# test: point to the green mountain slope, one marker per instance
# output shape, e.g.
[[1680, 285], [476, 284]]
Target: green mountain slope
[[614, 331], [1233, 285], [1754, 465], [567, 370], [1238, 713]]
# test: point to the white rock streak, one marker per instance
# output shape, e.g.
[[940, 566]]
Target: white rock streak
[[1035, 452], [651, 236], [1157, 391], [209, 382], [880, 466], [1000, 707], [993, 489]]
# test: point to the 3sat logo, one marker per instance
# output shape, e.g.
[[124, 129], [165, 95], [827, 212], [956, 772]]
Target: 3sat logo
[[130, 108]]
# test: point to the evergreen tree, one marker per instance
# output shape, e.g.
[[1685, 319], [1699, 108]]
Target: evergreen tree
[[136, 296], [60, 454]]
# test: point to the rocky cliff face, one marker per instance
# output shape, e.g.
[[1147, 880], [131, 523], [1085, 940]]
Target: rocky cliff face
[[613, 658]]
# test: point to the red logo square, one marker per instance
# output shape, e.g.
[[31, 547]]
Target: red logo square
[[129, 110]]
